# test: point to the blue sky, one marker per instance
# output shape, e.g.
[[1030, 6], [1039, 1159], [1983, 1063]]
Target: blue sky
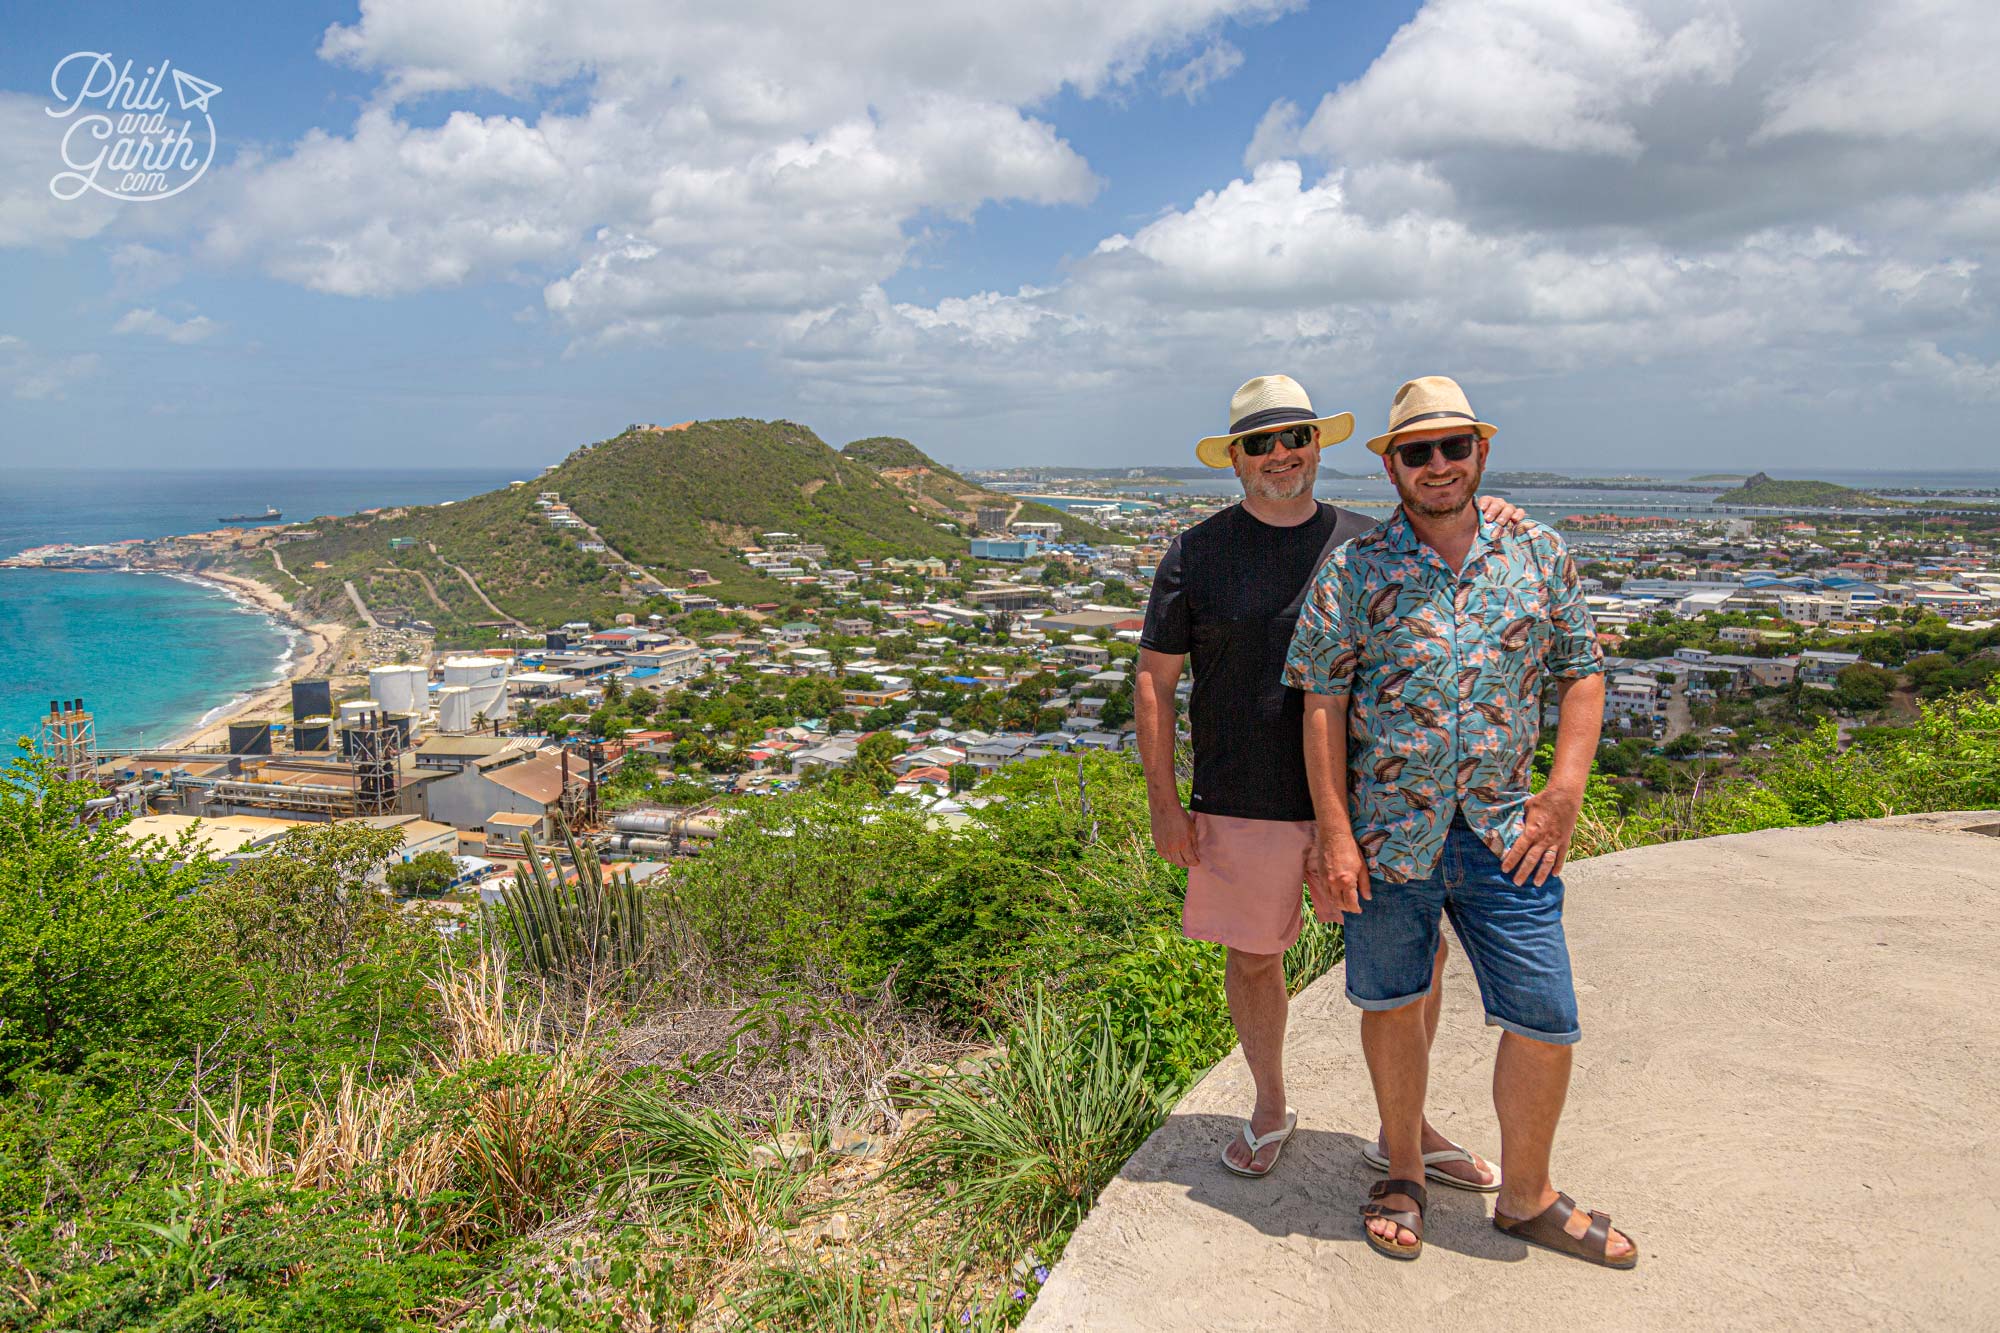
[[1644, 233]]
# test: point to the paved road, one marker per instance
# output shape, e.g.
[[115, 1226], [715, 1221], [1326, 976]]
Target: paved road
[[1785, 1090], [1679, 720], [279, 561], [360, 607]]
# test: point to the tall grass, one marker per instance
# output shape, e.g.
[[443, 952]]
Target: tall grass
[[1027, 1143], [494, 1140]]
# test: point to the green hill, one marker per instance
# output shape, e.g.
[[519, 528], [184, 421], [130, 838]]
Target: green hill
[[668, 499], [946, 493], [886, 451], [1762, 489]]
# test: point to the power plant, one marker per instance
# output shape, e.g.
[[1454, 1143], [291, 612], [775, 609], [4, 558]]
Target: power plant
[[411, 748]]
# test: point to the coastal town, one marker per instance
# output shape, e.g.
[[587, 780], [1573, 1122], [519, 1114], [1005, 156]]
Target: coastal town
[[919, 676]]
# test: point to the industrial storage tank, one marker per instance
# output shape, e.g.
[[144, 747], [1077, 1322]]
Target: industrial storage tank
[[454, 708], [486, 680], [400, 689], [250, 736], [311, 698], [354, 710], [311, 734], [404, 725]]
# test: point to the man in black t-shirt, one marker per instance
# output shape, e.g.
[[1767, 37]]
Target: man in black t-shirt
[[1227, 593]]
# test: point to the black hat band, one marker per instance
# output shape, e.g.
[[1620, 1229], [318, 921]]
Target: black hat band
[[1270, 416]]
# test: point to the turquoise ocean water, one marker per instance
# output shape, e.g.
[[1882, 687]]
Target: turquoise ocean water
[[148, 653]]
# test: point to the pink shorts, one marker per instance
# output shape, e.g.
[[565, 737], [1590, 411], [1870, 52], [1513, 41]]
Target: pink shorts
[[1247, 889]]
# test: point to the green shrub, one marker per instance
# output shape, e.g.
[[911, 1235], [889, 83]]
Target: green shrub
[[425, 874], [1165, 1004], [90, 934]]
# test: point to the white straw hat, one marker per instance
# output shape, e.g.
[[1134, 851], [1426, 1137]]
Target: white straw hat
[[1427, 403], [1265, 403]]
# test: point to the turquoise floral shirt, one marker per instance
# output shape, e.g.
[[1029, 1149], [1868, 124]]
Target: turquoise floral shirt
[[1443, 673]]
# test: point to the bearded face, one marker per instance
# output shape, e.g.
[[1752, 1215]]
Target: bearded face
[[1282, 474], [1440, 488]]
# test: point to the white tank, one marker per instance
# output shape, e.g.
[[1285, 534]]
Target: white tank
[[354, 708], [471, 670], [485, 677], [400, 689], [454, 708]]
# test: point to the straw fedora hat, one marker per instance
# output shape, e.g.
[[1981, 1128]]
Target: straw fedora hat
[[1427, 404], [1265, 403]]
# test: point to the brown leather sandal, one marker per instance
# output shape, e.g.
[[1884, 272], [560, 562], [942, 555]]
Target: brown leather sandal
[[1410, 1222], [1546, 1230]]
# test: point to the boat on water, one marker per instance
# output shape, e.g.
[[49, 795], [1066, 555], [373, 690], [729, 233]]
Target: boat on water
[[269, 515]]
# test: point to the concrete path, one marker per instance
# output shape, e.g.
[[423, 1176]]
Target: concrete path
[[1787, 1091], [360, 607]]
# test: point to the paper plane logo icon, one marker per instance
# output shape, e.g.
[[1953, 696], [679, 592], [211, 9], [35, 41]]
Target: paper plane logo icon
[[194, 93]]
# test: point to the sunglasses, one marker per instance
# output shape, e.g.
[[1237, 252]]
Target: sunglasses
[[1417, 453], [1256, 446]]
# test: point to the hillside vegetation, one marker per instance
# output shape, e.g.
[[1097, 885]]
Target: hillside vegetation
[[688, 497], [1762, 489], [914, 472], [526, 567], [670, 499]]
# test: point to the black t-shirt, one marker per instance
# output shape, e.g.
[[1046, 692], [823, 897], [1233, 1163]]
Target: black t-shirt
[[1228, 593]]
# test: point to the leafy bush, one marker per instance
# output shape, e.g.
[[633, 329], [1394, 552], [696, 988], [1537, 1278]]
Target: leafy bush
[[1165, 1003], [90, 934], [425, 874]]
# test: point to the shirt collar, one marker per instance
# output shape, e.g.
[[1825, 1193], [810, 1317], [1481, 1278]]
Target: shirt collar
[[1402, 537], [1485, 540]]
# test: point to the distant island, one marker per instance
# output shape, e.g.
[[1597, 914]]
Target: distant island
[[1721, 476], [1766, 491]]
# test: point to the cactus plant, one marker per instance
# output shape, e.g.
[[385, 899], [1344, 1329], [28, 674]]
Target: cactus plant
[[590, 934]]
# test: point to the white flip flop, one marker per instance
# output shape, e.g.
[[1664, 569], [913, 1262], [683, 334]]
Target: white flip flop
[[1372, 1154], [1257, 1144]]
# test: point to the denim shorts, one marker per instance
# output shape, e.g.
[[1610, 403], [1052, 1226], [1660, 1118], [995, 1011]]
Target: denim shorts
[[1512, 935]]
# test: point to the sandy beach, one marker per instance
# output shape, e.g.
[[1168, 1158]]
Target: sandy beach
[[319, 652]]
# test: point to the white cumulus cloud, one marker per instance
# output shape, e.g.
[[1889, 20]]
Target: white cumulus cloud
[[763, 157]]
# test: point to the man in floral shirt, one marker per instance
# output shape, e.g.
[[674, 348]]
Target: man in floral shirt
[[1422, 647]]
